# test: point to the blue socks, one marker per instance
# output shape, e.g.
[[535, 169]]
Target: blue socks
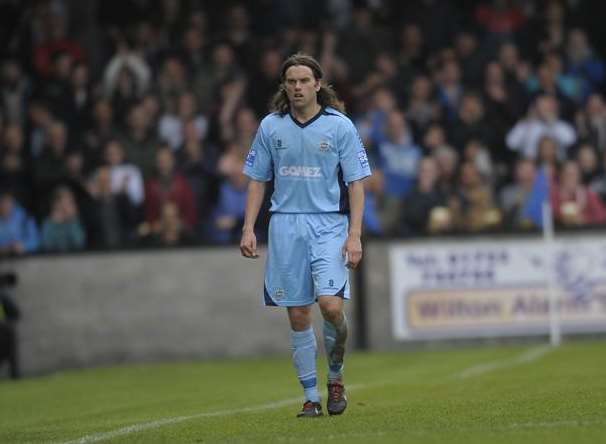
[[304, 350], [334, 343]]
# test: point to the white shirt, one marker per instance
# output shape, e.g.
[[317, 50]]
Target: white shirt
[[524, 137], [131, 175], [171, 129]]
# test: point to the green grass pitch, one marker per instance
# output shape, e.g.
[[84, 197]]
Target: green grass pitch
[[496, 394]]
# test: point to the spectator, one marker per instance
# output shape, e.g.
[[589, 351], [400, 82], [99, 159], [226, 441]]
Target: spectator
[[265, 79], [229, 212], [238, 35], [589, 166], [50, 168], [546, 82], [549, 155], [101, 131], [569, 84], [500, 18], [412, 54], [422, 109], [554, 28], [222, 78], [62, 230], [359, 42], [151, 105], [474, 207], [138, 141], [477, 153], [41, 120], [172, 79], [422, 201], [450, 88], [167, 184], [591, 122], [371, 125], [14, 166], [515, 195], [471, 58], [171, 125], [447, 160], [56, 89], [14, 91], [194, 52], [18, 231], [434, 138], [115, 218], [503, 102], [55, 40], [170, 231], [373, 195], [80, 98], [125, 178], [399, 156], [246, 124], [573, 203], [583, 62], [198, 164], [509, 60], [542, 120], [127, 76], [470, 123]]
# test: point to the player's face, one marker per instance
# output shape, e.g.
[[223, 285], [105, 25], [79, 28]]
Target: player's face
[[301, 86]]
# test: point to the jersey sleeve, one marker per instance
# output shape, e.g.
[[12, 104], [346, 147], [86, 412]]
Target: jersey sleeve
[[258, 164], [352, 155]]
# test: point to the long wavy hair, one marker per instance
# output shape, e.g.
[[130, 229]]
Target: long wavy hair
[[326, 95]]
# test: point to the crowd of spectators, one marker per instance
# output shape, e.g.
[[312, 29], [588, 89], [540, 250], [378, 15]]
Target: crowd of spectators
[[127, 123]]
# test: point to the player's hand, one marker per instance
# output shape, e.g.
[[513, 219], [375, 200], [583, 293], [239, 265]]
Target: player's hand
[[352, 251], [248, 244]]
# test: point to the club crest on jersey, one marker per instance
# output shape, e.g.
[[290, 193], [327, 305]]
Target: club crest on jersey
[[324, 146]]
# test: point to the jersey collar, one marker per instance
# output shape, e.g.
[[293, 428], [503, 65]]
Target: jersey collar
[[310, 121]]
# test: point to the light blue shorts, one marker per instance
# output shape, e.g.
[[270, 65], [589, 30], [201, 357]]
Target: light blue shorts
[[305, 259]]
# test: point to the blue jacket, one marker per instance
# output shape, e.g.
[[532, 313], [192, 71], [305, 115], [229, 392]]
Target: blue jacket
[[19, 227]]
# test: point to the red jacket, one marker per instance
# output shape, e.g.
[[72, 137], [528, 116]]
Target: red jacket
[[591, 207], [179, 192]]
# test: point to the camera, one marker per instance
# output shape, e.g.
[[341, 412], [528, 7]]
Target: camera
[[8, 279]]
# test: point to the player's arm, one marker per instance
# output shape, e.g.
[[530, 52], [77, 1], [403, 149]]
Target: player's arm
[[254, 200], [354, 163], [353, 246]]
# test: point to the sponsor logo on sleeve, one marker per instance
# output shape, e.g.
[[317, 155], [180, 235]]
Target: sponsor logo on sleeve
[[363, 158], [250, 158]]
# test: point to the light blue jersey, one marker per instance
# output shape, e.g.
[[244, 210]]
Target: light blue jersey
[[310, 163]]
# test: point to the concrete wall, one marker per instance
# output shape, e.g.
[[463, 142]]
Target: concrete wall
[[378, 303], [98, 309]]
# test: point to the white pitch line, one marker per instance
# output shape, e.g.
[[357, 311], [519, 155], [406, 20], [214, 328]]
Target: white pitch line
[[143, 426], [528, 356], [136, 428]]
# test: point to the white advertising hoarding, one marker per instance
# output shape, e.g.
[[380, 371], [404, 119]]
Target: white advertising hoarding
[[471, 289]]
